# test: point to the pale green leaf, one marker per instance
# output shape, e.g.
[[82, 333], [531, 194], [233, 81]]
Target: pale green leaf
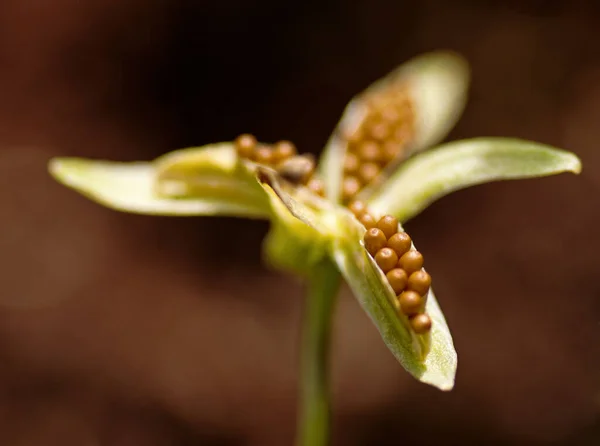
[[438, 84], [460, 164], [430, 358], [220, 186]]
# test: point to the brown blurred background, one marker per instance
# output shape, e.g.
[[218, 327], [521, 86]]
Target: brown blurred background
[[127, 330]]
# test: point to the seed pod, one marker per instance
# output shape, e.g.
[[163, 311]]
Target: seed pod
[[283, 150], [351, 164], [367, 220], [397, 279], [350, 187], [400, 242], [263, 155], [298, 169], [386, 258], [316, 186], [389, 225], [421, 323], [374, 240], [419, 281], [410, 303], [369, 151], [411, 261], [244, 145], [357, 208], [368, 172]]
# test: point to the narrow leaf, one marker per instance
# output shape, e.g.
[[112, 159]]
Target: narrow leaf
[[460, 164]]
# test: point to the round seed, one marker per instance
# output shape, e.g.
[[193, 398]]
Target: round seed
[[316, 186], [400, 242], [351, 163], [389, 225], [350, 187], [244, 145], [390, 151], [379, 131], [411, 261], [297, 169], [369, 151], [263, 155], [386, 258], [283, 151], [357, 207], [397, 279], [390, 115], [421, 323], [368, 172], [367, 220], [410, 303], [374, 240], [419, 281]]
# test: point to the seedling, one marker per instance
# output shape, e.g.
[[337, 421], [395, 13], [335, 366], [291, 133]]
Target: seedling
[[344, 216]]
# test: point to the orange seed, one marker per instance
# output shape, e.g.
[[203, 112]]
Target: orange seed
[[367, 220], [419, 281], [410, 303], [357, 207], [421, 323], [244, 145], [283, 150], [263, 155], [351, 163], [388, 224], [397, 279], [400, 242], [374, 240], [350, 187], [411, 261], [367, 172], [386, 258], [369, 151]]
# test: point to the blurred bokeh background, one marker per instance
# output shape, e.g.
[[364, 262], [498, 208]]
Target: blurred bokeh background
[[123, 330]]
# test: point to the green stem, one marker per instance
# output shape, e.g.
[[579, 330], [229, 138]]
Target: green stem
[[313, 423]]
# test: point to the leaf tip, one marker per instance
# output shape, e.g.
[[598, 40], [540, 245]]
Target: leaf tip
[[574, 164], [64, 170]]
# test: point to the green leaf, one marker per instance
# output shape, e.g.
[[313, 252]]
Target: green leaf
[[207, 181], [438, 83], [460, 164], [430, 358]]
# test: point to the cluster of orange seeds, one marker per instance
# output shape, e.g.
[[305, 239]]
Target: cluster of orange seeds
[[283, 157], [392, 250], [382, 137], [401, 263]]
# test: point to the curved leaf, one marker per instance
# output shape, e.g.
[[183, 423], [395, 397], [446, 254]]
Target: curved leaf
[[206, 181], [460, 164], [438, 84], [430, 358]]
